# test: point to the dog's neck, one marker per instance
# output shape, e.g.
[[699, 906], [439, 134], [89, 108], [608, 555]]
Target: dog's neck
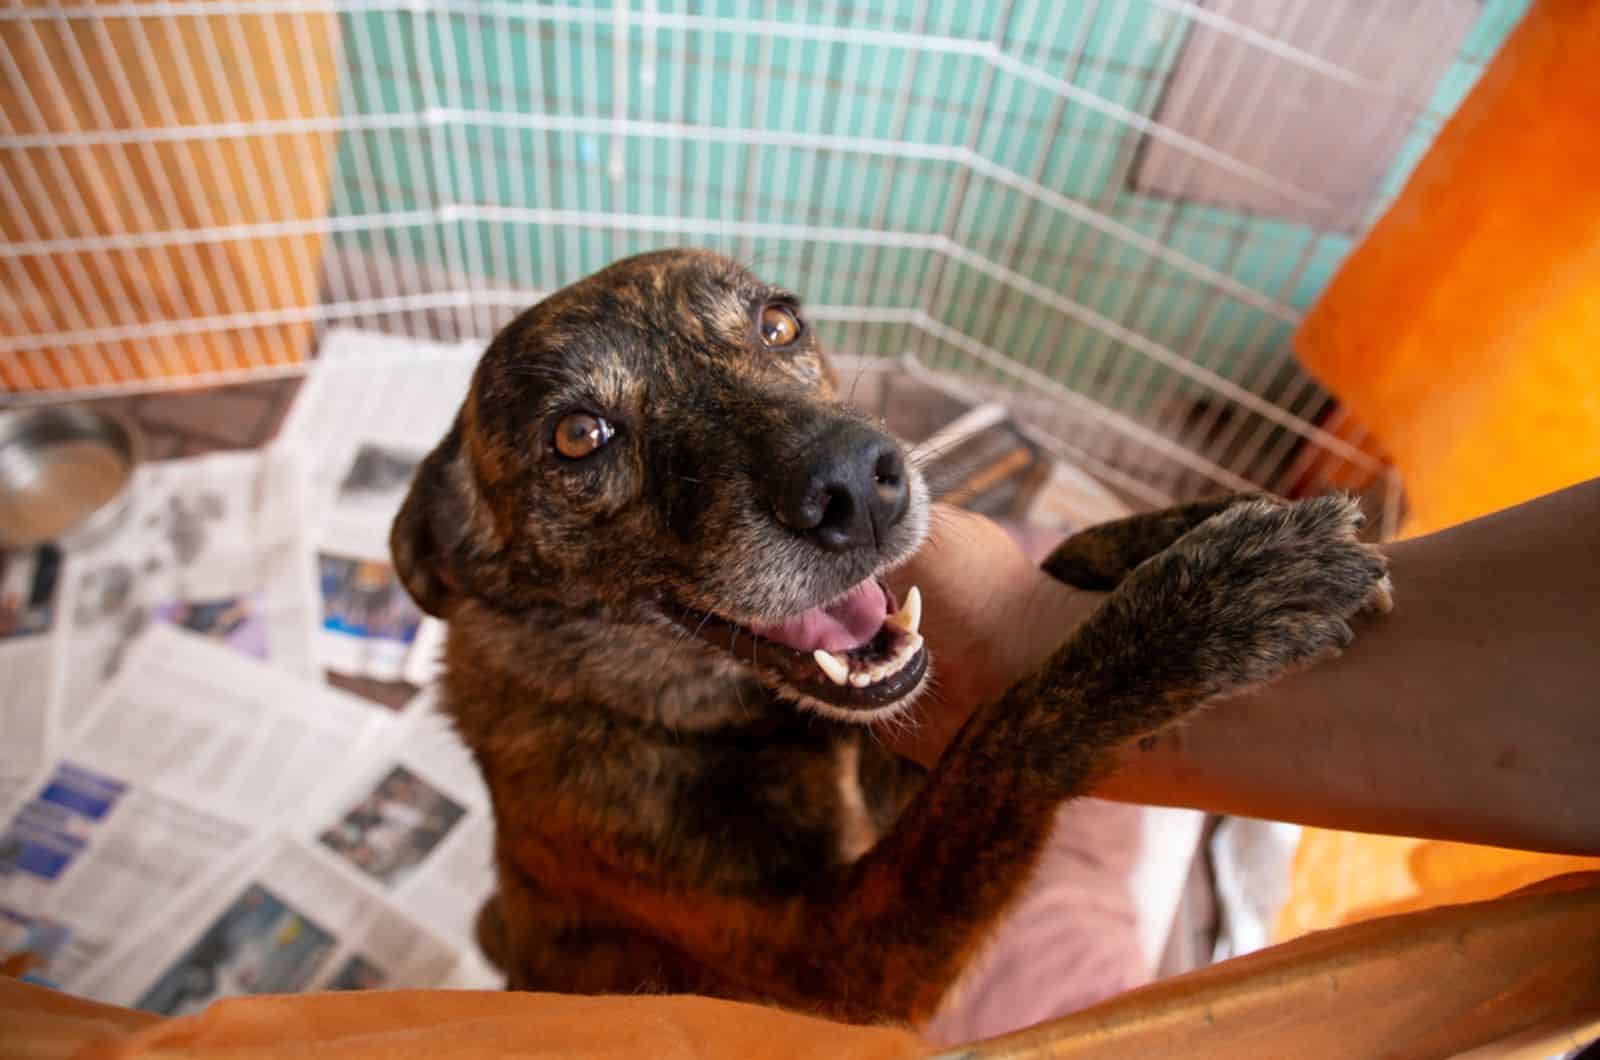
[[634, 664]]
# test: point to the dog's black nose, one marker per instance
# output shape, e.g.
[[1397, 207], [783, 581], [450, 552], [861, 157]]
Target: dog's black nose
[[846, 491]]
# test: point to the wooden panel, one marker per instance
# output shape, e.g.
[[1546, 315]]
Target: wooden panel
[[102, 81]]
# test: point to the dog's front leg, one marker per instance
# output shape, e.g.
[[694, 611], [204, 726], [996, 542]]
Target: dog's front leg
[[1100, 556], [1254, 592]]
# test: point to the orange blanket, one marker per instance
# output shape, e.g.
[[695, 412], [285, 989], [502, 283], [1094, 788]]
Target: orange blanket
[[435, 1025], [1464, 333], [1519, 973]]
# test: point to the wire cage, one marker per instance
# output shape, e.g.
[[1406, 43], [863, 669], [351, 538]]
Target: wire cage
[[1109, 215]]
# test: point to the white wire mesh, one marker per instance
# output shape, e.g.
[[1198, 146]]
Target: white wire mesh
[[197, 187]]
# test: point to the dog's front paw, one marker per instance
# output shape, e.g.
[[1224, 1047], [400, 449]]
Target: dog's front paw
[[1262, 588]]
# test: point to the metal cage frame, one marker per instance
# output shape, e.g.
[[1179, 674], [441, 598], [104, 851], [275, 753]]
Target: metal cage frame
[[196, 189]]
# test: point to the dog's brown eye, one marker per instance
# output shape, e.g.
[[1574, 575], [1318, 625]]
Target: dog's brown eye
[[580, 434], [779, 326]]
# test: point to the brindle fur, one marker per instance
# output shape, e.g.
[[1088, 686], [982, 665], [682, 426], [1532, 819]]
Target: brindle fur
[[668, 817]]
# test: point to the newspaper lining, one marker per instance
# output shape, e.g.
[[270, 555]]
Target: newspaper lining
[[190, 751], [215, 545], [29, 583], [360, 435], [415, 825], [187, 811], [373, 883], [281, 919]]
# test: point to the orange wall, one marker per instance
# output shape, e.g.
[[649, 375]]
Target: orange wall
[[1464, 333]]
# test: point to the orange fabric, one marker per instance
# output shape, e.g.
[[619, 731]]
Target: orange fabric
[[40, 1024], [1343, 877], [435, 1025], [1518, 971], [1464, 333]]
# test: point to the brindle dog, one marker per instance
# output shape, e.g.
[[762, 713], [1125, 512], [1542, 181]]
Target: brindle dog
[[658, 537]]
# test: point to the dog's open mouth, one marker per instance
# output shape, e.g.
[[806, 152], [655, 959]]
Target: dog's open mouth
[[862, 651]]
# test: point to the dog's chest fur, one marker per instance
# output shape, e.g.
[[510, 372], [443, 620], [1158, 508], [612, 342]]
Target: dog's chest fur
[[579, 720]]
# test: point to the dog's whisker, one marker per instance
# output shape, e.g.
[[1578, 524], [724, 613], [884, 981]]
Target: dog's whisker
[[922, 455], [681, 636], [861, 370], [760, 259], [705, 618]]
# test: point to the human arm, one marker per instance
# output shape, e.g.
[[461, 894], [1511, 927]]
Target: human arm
[[1471, 713]]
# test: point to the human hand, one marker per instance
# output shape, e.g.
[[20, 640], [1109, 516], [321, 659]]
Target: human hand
[[989, 616]]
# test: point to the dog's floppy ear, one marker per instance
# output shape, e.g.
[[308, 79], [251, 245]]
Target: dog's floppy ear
[[427, 532]]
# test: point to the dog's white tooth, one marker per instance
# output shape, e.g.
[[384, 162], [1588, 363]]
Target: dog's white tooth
[[837, 669], [909, 618], [861, 680], [897, 662], [884, 669]]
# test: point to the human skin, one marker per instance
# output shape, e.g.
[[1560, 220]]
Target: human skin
[[1469, 713]]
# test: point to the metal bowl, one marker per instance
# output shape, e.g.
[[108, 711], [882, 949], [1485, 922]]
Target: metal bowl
[[64, 474]]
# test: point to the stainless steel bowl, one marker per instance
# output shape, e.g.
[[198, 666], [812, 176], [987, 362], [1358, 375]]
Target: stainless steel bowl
[[64, 474]]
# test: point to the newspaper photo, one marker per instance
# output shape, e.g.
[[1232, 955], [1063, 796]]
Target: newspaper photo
[[192, 750], [415, 826], [368, 624], [29, 583], [281, 918], [364, 419], [213, 545], [386, 392], [27, 592], [259, 944]]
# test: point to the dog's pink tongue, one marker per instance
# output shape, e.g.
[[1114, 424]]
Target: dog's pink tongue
[[847, 624]]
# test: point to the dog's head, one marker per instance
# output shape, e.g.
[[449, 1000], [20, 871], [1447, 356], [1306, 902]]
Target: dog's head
[[662, 440]]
